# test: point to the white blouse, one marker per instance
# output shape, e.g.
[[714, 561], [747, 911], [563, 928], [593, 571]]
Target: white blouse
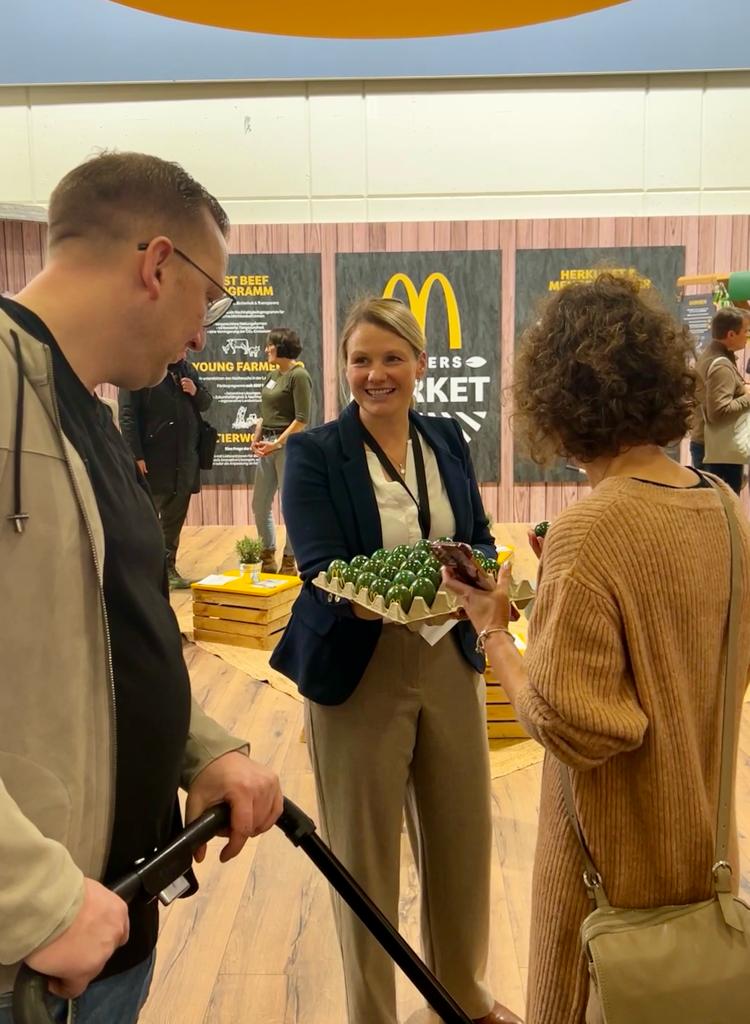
[[399, 519]]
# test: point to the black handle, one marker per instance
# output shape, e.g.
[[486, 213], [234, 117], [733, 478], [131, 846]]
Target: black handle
[[148, 879], [30, 991]]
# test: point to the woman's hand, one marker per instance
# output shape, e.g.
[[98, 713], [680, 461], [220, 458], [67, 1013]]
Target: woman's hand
[[536, 543], [264, 448], [485, 608]]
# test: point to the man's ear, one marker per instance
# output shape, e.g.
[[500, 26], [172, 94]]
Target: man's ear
[[153, 258]]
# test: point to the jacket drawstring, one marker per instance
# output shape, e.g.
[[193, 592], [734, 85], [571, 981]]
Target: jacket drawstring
[[18, 517]]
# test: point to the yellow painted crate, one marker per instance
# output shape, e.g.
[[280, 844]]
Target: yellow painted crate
[[229, 609], [501, 716], [506, 731]]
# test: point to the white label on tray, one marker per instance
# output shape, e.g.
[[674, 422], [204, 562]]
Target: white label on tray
[[217, 581], [434, 633]]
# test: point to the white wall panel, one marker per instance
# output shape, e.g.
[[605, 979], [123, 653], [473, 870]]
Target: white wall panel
[[247, 146], [349, 151], [338, 163], [673, 133], [725, 201], [267, 211], [506, 140], [726, 136], [339, 211], [16, 183], [671, 204]]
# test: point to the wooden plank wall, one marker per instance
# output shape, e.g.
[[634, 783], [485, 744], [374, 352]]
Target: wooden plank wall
[[711, 243]]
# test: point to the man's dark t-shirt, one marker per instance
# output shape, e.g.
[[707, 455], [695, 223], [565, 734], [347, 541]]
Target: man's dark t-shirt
[[152, 688]]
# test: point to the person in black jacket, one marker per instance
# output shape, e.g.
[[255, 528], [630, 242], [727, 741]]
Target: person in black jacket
[[162, 427]]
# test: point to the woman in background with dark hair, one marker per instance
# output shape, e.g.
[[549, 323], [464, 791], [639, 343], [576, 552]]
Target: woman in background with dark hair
[[284, 410]]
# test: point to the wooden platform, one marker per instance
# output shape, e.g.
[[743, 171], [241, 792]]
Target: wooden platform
[[257, 944], [241, 613]]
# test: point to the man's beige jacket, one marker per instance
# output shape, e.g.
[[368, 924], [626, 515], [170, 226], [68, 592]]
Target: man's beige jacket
[[57, 732]]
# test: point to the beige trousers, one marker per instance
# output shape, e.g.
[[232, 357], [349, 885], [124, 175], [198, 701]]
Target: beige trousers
[[411, 737]]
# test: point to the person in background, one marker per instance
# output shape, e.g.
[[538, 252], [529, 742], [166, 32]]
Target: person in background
[[162, 427], [284, 410], [723, 391], [395, 720], [97, 726], [623, 675]]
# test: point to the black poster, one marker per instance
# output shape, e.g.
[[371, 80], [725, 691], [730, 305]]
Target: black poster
[[456, 298], [271, 291], [697, 312], [540, 272]]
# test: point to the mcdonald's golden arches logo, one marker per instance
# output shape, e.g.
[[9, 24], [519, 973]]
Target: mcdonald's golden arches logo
[[418, 301]]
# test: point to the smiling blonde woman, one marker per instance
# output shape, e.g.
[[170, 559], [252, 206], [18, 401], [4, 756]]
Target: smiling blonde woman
[[394, 724]]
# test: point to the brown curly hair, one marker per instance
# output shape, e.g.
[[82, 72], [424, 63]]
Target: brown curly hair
[[604, 368]]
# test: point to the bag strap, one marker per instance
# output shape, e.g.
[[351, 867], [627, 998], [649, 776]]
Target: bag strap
[[723, 359], [722, 870]]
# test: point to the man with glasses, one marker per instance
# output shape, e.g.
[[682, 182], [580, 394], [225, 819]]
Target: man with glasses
[[97, 726]]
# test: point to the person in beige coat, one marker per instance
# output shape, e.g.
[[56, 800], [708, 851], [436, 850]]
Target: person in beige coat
[[723, 393], [623, 676], [97, 725]]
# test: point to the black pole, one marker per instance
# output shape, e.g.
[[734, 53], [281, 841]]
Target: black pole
[[301, 831]]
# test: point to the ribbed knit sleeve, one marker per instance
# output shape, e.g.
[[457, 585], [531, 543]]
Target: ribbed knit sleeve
[[580, 701]]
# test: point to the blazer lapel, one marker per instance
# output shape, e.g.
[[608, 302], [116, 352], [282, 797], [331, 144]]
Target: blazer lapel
[[365, 515]]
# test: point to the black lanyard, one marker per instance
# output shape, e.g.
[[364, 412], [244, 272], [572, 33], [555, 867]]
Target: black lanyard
[[423, 504]]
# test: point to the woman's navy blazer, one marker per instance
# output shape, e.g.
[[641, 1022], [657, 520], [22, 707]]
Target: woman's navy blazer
[[331, 512]]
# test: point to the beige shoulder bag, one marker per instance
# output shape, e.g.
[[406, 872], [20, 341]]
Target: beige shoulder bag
[[683, 964]]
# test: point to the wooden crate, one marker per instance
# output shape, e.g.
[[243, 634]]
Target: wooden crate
[[506, 731], [228, 609], [501, 716]]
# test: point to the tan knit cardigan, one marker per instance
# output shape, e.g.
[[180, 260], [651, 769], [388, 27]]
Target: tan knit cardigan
[[625, 662]]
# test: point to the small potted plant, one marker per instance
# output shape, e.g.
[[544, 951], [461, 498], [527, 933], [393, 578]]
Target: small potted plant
[[248, 552]]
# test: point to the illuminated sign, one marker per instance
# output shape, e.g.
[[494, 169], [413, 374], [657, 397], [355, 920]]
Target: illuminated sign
[[389, 19]]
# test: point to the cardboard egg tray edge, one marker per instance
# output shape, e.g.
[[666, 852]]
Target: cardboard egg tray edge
[[443, 606]]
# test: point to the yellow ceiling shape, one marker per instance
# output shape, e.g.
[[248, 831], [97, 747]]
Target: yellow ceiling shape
[[384, 19]]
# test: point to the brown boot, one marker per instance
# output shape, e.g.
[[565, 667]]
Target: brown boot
[[268, 560], [288, 568]]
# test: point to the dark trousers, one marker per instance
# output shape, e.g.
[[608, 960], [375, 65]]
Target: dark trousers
[[172, 509], [729, 472]]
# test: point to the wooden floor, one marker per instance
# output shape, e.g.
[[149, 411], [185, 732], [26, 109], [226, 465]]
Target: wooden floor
[[257, 944]]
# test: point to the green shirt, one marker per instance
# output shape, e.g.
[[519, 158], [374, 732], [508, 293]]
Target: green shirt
[[286, 397]]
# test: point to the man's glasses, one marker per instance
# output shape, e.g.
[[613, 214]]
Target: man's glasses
[[216, 309]]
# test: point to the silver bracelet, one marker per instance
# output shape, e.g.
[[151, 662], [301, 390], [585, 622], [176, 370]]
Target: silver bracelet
[[483, 634]]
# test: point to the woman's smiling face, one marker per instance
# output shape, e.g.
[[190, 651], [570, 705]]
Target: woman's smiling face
[[382, 370]]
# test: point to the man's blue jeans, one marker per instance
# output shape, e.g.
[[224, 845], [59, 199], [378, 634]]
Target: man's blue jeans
[[116, 1000]]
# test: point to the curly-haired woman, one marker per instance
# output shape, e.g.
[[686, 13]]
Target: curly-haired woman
[[623, 678]]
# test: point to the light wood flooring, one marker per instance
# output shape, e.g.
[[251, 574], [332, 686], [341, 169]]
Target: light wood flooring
[[257, 944]]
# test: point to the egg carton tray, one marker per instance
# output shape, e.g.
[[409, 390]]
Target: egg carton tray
[[441, 609]]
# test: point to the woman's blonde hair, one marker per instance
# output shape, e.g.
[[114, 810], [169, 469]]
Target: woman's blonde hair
[[390, 314]]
